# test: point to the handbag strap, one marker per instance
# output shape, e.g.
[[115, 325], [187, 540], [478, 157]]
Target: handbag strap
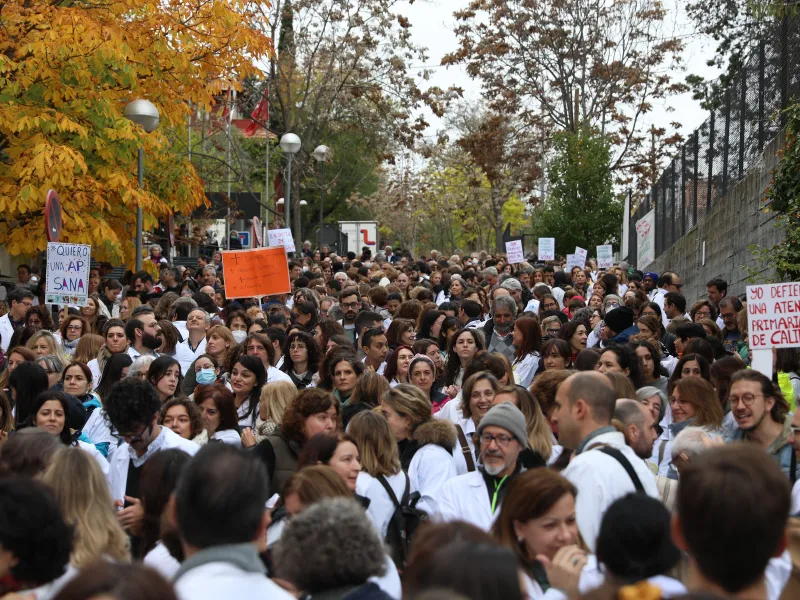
[[462, 440]]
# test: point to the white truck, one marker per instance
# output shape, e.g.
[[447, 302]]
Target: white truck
[[360, 234]]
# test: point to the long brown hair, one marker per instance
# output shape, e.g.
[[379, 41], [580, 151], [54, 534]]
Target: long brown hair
[[376, 444], [700, 394], [531, 336], [530, 496], [315, 483]]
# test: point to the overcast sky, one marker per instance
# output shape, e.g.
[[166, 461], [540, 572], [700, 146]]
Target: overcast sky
[[432, 26]]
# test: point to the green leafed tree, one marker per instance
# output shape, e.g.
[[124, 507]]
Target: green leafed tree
[[581, 208]]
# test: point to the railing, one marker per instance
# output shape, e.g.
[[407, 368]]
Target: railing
[[721, 151]]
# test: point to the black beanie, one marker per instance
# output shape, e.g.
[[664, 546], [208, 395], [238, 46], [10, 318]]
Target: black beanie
[[619, 319]]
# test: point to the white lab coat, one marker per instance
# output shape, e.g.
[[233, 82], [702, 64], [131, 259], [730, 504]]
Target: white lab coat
[[601, 480], [381, 507], [186, 356], [96, 454], [162, 561], [469, 429], [525, 369], [429, 470], [228, 436], [121, 459], [274, 374], [94, 367], [225, 580], [465, 498], [6, 331]]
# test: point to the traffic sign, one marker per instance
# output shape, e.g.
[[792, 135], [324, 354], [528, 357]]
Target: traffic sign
[[52, 216]]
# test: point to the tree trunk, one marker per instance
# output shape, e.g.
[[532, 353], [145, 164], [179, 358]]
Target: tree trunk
[[497, 211]]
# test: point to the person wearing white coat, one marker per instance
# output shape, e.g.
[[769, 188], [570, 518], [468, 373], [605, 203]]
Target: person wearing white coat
[[222, 520], [19, 301], [599, 470], [477, 496]]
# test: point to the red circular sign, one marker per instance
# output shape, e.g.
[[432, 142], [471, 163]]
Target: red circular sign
[[52, 216], [171, 229], [257, 232]]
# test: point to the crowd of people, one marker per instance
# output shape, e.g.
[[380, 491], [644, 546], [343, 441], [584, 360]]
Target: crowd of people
[[395, 427]]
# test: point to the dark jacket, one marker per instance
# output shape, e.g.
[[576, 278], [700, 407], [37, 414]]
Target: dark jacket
[[367, 591], [280, 457]]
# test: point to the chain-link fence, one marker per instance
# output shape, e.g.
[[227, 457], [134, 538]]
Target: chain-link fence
[[722, 150]]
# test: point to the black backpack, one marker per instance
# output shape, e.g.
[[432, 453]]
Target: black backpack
[[404, 522]]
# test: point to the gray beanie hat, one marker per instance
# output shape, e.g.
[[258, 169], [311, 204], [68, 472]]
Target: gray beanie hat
[[510, 418]]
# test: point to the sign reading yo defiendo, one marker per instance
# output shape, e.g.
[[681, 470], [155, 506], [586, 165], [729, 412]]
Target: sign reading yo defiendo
[[258, 272], [773, 315], [67, 274]]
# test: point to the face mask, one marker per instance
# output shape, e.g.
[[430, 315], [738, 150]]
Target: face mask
[[239, 336], [205, 377]]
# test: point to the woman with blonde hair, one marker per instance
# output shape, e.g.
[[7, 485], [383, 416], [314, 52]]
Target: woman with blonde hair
[[87, 507], [425, 444], [275, 398], [88, 348], [128, 306], [381, 479], [43, 343]]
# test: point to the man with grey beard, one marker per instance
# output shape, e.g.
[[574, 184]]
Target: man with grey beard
[[476, 497]]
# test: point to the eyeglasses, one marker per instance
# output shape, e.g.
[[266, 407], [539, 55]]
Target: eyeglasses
[[74, 327], [502, 440], [553, 330], [130, 438], [728, 317], [350, 304], [702, 315], [612, 305], [747, 399]]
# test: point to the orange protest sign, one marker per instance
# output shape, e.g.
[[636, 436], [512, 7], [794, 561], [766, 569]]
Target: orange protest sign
[[259, 272]]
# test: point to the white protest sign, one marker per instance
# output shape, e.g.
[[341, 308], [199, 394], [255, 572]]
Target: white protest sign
[[514, 252], [573, 260], [773, 315], [605, 256], [547, 248], [581, 254], [646, 239], [67, 273], [281, 237]]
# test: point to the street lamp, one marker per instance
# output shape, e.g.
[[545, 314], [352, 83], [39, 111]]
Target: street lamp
[[145, 114], [290, 144], [321, 156], [300, 224]]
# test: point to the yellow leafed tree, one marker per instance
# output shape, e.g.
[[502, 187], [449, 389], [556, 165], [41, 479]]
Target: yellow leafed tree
[[67, 70]]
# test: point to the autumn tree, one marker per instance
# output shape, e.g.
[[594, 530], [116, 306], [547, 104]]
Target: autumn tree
[[581, 209], [559, 64], [344, 68], [505, 150], [67, 70]]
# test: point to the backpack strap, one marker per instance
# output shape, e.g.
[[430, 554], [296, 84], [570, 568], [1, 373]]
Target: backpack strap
[[661, 452], [622, 460], [462, 440], [392, 496]]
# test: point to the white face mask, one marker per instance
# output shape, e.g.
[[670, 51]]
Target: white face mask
[[239, 335]]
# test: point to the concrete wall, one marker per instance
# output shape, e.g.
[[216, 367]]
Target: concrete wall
[[733, 224]]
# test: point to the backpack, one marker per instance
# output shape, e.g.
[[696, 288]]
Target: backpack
[[404, 522]]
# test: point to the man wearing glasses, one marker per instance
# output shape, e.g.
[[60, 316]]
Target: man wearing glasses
[[132, 410], [19, 301], [763, 418], [729, 308], [143, 332], [350, 303], [476, 497]]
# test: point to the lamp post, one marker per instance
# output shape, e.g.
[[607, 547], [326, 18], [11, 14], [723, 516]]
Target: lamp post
[[290, 144], [321, 156], [299, 224], [145, 114]]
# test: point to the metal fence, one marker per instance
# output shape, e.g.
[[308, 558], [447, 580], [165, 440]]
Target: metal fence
[[721, 151]]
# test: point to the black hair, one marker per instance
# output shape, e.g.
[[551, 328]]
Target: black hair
[[255, 366], [720, 284], [429, 317], [18, 295], [450, 306], [677, 299], [143, 276], [312, 348], [131, 404], [65, 435], [220, 497], [366, 318], [394, 296], [635, 540], [113, 323], [28, 380], [158, 369], [627, 359], [369, 334], [276, 334], [130, 329], [33, 531], [112, 372], [690, 330], [112, 284], [158, 480], [586, 360], [471, 308], [205, 302], [308, 308]]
